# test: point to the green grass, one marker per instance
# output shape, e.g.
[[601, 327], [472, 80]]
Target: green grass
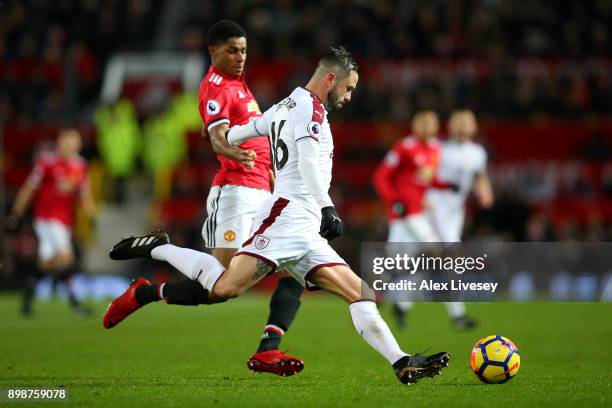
[[173, 356]]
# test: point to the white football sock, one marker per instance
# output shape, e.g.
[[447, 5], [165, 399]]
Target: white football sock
[[371, 326], [455, 309], [195, 265]]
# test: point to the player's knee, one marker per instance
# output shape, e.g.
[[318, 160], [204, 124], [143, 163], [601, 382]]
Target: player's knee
[[46, 265], [63, 260], [228, 290]]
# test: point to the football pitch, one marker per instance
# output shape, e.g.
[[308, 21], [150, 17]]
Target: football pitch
[[172, 356]]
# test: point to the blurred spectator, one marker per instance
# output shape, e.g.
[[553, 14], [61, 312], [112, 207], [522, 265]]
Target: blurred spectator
[[597, 147], [53, 53], [119, 143]]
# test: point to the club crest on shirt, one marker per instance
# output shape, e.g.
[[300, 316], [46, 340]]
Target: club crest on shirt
[[261, 242], [229, 236], [314, 129], [213, 107]]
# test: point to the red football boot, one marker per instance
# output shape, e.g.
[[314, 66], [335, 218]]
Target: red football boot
[[124, 305], [275, 362]]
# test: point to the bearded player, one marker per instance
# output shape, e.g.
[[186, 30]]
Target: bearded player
[[292, 229]]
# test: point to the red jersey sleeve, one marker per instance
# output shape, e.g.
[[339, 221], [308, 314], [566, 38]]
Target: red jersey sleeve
[[384, 176], [439, 184], [38, 172], [214, 104]]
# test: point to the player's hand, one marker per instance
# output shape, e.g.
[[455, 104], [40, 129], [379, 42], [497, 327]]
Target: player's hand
[[331, 224], [399, 209], [246, 157]]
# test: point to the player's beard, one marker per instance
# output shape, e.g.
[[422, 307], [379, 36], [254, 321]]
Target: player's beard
[[334, 100]]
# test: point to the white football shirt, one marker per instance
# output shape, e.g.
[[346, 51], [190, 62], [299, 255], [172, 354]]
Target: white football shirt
[[300, 115], [459, 164]]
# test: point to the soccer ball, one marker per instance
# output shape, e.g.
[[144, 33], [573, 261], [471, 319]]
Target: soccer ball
[[495, 359]]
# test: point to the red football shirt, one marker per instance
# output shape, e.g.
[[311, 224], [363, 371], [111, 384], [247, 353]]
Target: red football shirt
[[407, 172], [59, 182], [225, 99]]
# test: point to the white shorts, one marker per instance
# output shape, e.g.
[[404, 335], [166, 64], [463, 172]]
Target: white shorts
[[53, 238], [413, 228], [447, 222], [286, 235], [230, 215]]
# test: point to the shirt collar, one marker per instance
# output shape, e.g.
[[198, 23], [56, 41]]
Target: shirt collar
[[225, 76], [314, 95]]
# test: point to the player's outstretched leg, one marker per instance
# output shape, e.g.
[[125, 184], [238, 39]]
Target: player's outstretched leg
[[284, 305], [141, 292], [204, 271], [201, 268], [343, 282]]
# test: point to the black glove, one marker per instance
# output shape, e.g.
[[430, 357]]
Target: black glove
[[454, 187], [399, 209], [331, 224]]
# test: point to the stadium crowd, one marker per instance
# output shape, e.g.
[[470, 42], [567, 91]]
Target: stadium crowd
[[502, 58]]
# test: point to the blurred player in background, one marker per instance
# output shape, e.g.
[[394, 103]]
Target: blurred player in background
[[464, 163], [58, 181], [242, 183], [408, 171], [291, 229]]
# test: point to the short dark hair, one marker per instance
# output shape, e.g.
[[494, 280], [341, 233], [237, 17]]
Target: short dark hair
[[223, 30], [338, 60]]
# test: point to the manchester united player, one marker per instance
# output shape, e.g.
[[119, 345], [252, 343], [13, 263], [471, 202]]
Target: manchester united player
[[408, 171], [57, 181], [405, 175], [241, 184]]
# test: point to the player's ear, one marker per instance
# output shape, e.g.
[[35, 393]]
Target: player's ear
[[212, 50], [330, 79]]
